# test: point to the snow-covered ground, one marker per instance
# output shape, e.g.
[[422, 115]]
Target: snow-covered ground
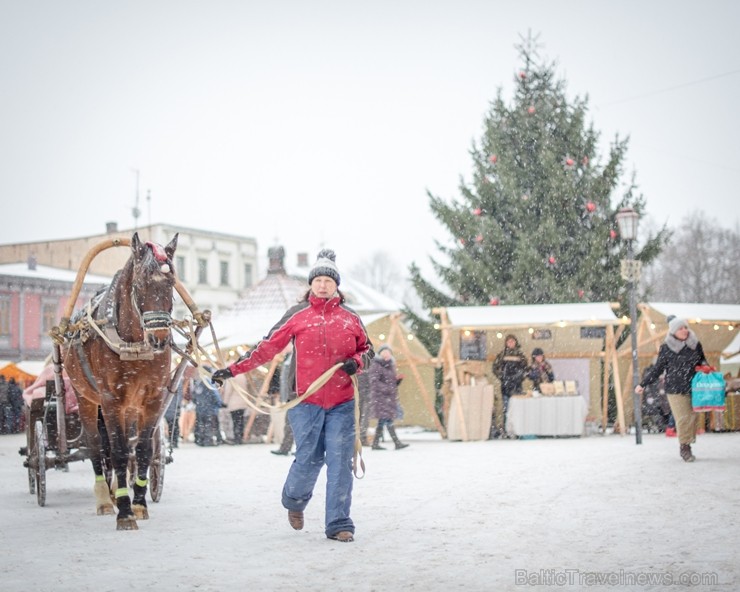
[[598, 513]]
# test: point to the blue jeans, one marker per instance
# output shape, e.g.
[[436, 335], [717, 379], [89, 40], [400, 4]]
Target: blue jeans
[[322, 436]]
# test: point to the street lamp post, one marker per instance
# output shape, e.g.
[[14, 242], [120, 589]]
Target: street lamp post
[[627, 220]]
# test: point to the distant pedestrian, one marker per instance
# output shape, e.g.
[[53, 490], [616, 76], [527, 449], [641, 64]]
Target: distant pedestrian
[[233, 396], [207, 405], [15, 401], [5, 409], [678, 357], [384, 381]]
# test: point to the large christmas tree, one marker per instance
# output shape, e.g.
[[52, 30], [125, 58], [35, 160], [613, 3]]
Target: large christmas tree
[[537, 223]]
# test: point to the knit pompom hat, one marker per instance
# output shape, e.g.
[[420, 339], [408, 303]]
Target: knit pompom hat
[[675, 324], [325, 265]]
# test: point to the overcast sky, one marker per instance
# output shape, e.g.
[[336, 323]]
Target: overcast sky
[[325, 122]]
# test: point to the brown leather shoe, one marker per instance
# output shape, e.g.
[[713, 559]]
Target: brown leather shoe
[[343, 536], [295, 519], [686, 453]]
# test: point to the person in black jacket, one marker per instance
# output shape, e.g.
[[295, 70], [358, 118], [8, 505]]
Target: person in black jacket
[[509, 367], [678, 358]]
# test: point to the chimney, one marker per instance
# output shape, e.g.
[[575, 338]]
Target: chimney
[[111, 227], [32, 262], [302, 259], [276, 258]]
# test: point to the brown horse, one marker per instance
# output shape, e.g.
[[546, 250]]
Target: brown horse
[[119, 366]]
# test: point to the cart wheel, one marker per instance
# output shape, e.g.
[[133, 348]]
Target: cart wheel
[[40, 464], [156, 468], [29, 463]]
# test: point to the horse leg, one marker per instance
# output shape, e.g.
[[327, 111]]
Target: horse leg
[[126, 520], [143, 459], [95, 443]]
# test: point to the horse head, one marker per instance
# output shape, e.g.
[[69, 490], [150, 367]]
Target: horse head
[[153, 281]]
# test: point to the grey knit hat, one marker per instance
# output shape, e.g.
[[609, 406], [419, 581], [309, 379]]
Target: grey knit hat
[[675, 324], [325, 265]]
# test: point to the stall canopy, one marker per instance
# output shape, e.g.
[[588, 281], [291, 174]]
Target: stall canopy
[[23, 372], [532, 315]]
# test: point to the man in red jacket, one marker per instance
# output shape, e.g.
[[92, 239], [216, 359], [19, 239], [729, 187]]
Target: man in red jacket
[[324, 332]]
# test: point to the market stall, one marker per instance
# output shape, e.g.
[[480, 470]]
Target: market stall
[[579, 340]]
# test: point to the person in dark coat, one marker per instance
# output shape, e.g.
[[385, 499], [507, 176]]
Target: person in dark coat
[[172, 417], [678, 357], [207, 404], [287, 393], [509, 367], [5, 410], [15, 401], [384, 381]]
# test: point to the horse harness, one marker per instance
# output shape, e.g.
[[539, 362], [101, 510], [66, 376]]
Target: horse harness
[[100, 315]]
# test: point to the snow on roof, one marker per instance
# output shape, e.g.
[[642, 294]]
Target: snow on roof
[[528, 315], [698, 312], [44, 272]]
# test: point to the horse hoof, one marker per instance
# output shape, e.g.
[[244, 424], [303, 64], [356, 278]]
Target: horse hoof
[[141, 512], [126, 524], [106, 510]]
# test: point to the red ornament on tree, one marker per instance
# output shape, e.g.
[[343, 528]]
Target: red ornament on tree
[[551, 260], [580, 293], [531, 109], [479, 238], [462, 241], [477, 212], [494, 301], [612, 234], [493, 159], [569, 162], [590, 207], [522, 74]]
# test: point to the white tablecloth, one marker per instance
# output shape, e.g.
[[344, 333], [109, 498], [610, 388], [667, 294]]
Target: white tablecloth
[[546, 416]]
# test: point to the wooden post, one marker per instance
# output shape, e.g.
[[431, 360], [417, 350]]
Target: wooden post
[[446, 353]]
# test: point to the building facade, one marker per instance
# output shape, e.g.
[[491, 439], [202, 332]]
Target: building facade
[[32, 300], [216, 268]]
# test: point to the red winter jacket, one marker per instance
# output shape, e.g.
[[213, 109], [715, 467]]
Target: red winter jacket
[[323, 333]]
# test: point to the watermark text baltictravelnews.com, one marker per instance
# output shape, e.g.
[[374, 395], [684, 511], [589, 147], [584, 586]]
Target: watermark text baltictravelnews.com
[[573, 577]]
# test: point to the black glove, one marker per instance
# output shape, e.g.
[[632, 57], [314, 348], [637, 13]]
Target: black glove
[[220, 375], [349, 366]]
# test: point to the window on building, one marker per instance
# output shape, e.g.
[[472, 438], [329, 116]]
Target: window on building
[[224, 273], [180, 267], [202, 271], [4, 317], [48, 317], [247, 275]]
